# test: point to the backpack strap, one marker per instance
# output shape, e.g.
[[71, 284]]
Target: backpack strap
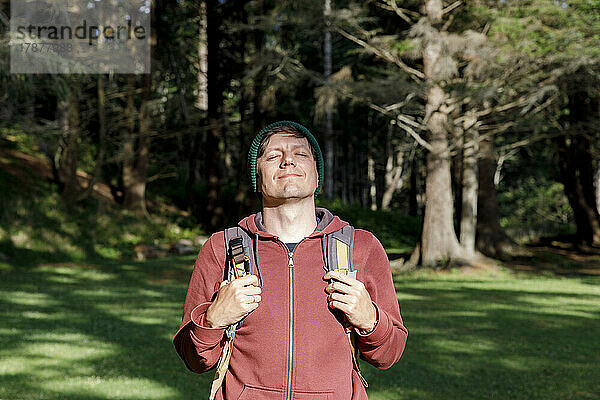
[[337, 249], [240, 262], [239, 244]]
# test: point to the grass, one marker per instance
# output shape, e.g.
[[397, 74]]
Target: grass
[[87, 331], [398, 233], [37, 226]]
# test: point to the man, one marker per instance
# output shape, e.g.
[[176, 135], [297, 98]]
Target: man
[[292, 343]]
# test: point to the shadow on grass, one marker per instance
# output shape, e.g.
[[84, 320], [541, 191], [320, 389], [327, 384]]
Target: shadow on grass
[[94, 332], [97, 331], [38, 227], [469, 339]]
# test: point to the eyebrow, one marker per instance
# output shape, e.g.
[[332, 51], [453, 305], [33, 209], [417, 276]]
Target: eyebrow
[[294, 147]]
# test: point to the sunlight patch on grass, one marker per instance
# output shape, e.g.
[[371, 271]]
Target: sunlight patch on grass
[[151, 293], [560, 301], [397, 394], [117, 388], [521, 363], [87, 273], [407, 296], [28, 298], [463, 346], [69, 351], [138, 319]]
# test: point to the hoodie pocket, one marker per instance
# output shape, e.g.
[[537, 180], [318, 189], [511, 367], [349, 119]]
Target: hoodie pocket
[[260, 393], [312, 395]]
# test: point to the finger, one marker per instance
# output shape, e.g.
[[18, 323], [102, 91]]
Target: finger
[[338, 276], [247, 280], [338, 287], [250, 290], [342, 298], [338, 305]]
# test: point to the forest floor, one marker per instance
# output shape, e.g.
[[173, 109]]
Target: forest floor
[[558, 256]]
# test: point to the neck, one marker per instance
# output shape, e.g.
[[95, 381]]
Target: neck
[[291, 221]]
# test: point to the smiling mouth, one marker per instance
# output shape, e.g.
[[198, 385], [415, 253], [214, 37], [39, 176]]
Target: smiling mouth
[[289, 176]]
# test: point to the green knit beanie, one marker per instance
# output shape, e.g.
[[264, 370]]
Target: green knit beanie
[[253, 152]]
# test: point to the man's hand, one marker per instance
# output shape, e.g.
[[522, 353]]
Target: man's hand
[[234, 301], [351, 297]]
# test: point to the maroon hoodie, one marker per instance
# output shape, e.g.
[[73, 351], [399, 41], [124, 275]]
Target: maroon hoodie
[[291, 346]]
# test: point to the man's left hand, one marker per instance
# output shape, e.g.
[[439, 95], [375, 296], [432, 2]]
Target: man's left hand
[[352, 298]]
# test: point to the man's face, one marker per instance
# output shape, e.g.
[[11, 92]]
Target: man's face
[[287, 168]]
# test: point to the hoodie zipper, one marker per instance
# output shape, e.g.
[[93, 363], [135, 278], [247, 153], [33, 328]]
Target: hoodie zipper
[[288, 391]]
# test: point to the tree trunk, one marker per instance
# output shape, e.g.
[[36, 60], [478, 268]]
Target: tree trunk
[[201, 104], [135, 157], [202, 77], [372, 184], [490, 239], [101, 139], [258, 87], [371, 178], [438, 240], [67, 165], [576, 167], [393, 173], [413, 201], [585, 211], [456, 169], [597, 185], [468, 220], [135, 165], [328, 179], [213, 217]]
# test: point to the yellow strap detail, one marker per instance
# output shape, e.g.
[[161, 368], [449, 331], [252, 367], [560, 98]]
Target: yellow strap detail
[[343, 267], [223, 363], [355, 354], [221, 368], [342, 256]]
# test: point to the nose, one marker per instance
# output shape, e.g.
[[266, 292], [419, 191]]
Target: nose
[[288, 159]]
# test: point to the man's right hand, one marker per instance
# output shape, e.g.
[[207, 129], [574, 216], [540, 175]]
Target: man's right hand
[[234, 301]]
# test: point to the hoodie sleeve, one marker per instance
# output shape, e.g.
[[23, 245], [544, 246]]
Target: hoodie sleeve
[[384, 346], [198, 346]]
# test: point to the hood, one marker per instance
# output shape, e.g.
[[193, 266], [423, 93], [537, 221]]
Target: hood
[[327, 223]]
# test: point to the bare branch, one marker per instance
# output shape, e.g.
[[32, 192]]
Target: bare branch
[[399, 11], [386, 55], [451, 7], [395, 106], [414, 134], [528, 141], [161, 176], [387, 6]]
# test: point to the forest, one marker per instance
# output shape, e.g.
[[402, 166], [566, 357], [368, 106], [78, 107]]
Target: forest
[[478, 118], [463, 133]]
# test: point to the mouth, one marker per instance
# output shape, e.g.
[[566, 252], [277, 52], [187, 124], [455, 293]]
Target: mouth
[[289, 176]]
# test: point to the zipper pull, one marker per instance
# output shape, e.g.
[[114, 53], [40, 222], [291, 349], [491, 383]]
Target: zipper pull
[[291, 261]]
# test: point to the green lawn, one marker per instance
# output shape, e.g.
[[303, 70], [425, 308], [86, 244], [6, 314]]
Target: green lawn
[[103, 331]]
